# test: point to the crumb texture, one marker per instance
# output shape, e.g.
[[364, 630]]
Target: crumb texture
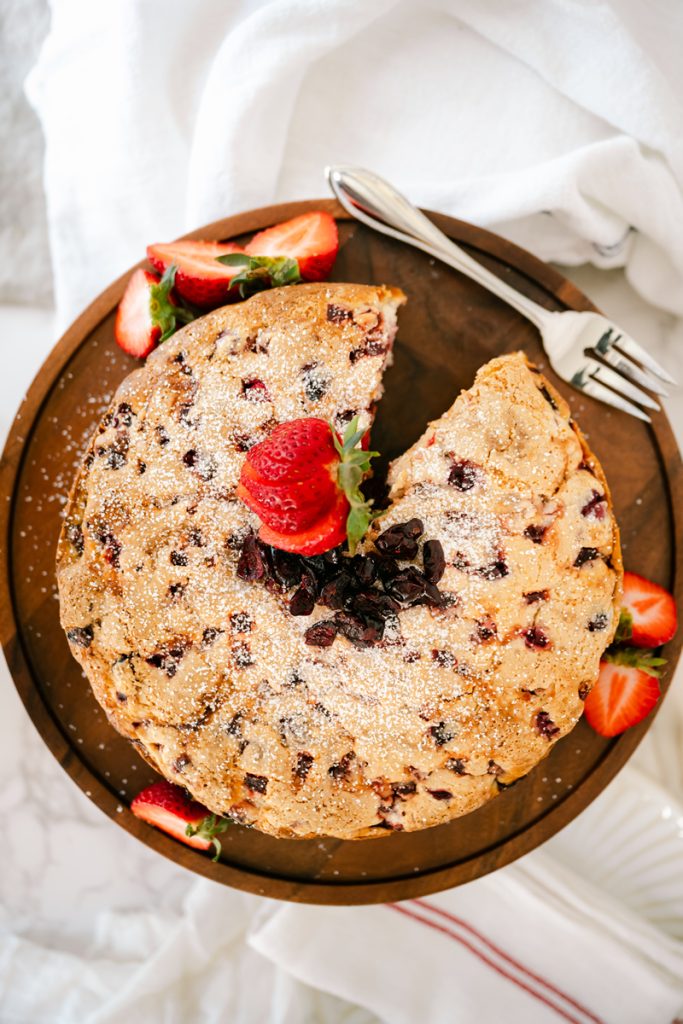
[[210, 676]]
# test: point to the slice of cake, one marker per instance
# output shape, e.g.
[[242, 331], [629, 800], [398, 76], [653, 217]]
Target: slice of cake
[[276, 720]]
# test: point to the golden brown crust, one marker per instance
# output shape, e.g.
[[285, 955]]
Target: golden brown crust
[[211, 677]]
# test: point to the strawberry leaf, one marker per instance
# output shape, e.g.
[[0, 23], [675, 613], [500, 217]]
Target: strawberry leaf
[[166, 314], [260, 272], [636, 657], [625, 628], [354, 465], [209, 828]]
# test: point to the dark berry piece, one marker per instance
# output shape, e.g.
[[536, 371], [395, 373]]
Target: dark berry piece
[[463, 475], [585, 555], [433, 560], [408, 586], [595, 507], [321, 634], [365, 567], [338, 314], [179, 558], [141, 467], [534, 596], [374, 606], [359, 633], [82, 636], [190, 458], [162, 435], [304, 763], [256, 783], [335, 593], [210, 635], [177, 589], [121, 697], [115, 455], [444, 659], [316, 383], [584, 690], [440, 794], [403, 790], [341, 769], [441, 734], [493, 571], [598, 623], [457, 765], [484, 631], [536, 533], [255, 390], [410, 657], [250, 565], [181, 763], [240, 622], [535, 637], [242, 655], [400, 541], [545, 726], [285, 567], [494, 769], [124, 416], [74, 534], [548, 397], [302, 601], [234, 727]]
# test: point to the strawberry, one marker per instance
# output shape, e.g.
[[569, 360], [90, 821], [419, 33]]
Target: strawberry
[[201, 278], [311, 239], [648, 616], [626, 691], [148, 313], [171, 809], [304, 484]]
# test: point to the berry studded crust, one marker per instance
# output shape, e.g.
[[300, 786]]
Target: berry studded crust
[[211, 676]]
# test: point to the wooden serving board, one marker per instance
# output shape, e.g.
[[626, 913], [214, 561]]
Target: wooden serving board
[[449, 327]]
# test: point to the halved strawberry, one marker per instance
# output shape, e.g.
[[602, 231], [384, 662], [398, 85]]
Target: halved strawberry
[[322, 535], [148, 313], [304, 485], [171, 809], [626, 691], [200, 279], [648, 617], [311, 239]]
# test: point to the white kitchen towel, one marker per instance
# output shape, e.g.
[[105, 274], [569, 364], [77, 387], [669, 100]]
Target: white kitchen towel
[[558, 122], [532, 943]]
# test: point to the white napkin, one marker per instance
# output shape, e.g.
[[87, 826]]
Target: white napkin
[[532, 943], [556, 121]]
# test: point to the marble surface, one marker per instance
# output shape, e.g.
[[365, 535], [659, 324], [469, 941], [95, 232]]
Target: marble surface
[[62, 862]]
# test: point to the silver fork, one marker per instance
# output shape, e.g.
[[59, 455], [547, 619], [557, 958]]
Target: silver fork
[[567, 337]]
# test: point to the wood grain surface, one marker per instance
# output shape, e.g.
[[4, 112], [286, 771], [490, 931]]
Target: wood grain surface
[[449, 327]]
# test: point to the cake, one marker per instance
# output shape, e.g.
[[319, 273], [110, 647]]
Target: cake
[[213, 680]]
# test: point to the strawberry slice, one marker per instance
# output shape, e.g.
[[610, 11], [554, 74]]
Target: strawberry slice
[[304, 485], [171, 809], [148, 313], [325, 533], [648, 617], [200, 279], [625, 693], [311, 239]]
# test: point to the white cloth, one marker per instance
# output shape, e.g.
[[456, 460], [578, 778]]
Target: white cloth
[[556, 121], [529, 944]]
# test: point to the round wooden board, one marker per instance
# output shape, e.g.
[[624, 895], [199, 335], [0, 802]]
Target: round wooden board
[[449, 327]]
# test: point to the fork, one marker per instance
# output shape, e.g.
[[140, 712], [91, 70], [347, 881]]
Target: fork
[[571, 339]]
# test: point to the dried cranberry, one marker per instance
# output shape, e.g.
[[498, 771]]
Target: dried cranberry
[[242, 655], [407, 586], [250, 565], [545, 726], [124, 415], [400, 541], [321, 634], [240, 622], [316, 383], [366, 568], [359, 633], [484, 631], [372, 605], [254, 390], [190, 458], [179, 558], [302, 601], [535, 637], [209, 635], [536, 533], [440, 794], [463, 475], [598, 623], [256, 783], [304, 763], [441, 734], [457, 765], [341, 769], [286, 567], [403, 790], [585, 555], [181, 763], [534, 596], [493, 571], [335, 593], [433, 560], [444, 659], [82, 636], [162, 435], [338, 314], [595, 507]]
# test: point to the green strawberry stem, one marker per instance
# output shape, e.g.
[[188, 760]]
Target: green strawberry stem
[[635, 657], [625, 628], [209, 828], [166, 314], [354, 465], [260, 272]]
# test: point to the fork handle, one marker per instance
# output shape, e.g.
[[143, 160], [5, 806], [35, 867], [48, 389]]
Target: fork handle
[[376, 203]]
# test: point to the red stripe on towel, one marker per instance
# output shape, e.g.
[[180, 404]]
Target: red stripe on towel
[[485, 959], [506, 956]]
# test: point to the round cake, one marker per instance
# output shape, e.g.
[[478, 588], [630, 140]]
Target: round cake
[[227, 693]]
